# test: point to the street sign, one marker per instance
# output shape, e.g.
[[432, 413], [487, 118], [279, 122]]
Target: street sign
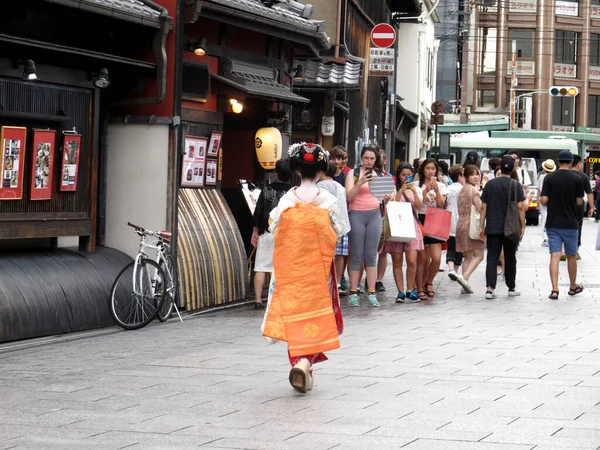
[[381, 62], [383, 35]]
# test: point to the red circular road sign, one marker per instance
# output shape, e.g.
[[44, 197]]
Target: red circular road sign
[[383, 35]]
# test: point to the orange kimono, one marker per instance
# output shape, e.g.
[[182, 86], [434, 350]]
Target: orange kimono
[[301, 306]]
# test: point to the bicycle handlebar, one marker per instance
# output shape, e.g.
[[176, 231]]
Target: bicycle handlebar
[[133, 225]]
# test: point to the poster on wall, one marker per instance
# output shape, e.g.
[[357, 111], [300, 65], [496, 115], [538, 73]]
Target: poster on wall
[[42, 166], [13, 162], [70, 162], [211, 172], [215, 143], [192, 168]]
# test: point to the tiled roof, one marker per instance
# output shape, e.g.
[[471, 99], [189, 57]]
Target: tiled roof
[[329, 74], [288, 19], [256, 80], [133, 10]]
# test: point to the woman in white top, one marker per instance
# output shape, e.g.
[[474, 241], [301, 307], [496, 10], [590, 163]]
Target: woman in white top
[[434, 196]]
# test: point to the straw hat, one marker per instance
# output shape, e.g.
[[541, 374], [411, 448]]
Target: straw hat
[[549, 166]]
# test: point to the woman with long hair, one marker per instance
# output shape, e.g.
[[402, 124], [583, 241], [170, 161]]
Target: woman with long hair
[[428, 261], [365, 221], [472, 249], [406, 191]]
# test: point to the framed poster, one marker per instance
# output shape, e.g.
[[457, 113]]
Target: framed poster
[[13, 162], [70, 162], [42, 167], [192, 167], [211, 172], [215, 143]]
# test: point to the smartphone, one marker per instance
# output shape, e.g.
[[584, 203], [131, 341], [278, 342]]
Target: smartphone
[[409, 179], [369, 171]]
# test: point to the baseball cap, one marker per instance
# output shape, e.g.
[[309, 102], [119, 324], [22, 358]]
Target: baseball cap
[[507, 163], [565, 155]]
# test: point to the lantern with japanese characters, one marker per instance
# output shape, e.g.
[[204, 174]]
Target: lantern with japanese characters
[[268, 145]]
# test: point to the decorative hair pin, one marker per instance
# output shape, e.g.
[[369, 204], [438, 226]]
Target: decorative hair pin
[[311, 152]]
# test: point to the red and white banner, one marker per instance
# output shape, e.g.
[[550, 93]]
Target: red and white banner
[[563, 128], [594, 73], [595, 12], [567, 8], [563, 70], [524, 68], [522, 6]]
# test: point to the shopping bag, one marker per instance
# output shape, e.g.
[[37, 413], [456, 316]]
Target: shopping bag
[[474, 224], [401, 222], [512, 222], [437, 223]]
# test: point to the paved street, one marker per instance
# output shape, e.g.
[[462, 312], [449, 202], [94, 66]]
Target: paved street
[[456, 373]]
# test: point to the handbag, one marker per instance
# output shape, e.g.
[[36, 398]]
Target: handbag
[[512, 222], [474, 223], [417, 221], [437, 223], [401, 222]]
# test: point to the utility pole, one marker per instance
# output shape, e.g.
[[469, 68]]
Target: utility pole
[[464, 67], [513, 85]]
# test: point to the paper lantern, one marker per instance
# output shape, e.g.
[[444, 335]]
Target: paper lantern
[[268, 145]]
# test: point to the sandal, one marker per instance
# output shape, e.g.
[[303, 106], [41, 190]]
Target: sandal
[[430, 292], [422, 295], [578, 289], [553, 295]]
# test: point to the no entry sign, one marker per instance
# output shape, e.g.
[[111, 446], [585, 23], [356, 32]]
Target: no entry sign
[[383, 35]]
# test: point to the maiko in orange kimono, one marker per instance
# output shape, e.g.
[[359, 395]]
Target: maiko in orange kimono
[[303, 307]]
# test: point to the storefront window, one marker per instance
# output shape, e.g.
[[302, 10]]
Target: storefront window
[[595, 49], [565, 47], [486, 99], [524, 40]]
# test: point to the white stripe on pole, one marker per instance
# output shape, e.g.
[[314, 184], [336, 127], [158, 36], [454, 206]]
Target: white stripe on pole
[[383, 35]]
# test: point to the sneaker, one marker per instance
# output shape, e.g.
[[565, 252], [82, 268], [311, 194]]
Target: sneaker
[[490, 295], [379, 286], [344, 283], [373, 300], [401, 297], [452, 275], [353, 300], [342, 292], [563, 257], [464, 284], [360, 289], [514, 292], [578, 257], [545, 243], [412, 297]]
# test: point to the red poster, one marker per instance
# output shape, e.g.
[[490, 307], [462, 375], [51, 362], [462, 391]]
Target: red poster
[[42, 164], [12, 163], [70, 162]]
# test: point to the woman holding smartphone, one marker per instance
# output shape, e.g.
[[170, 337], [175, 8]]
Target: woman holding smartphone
[[434, 195], [406, 191], [365, 221]]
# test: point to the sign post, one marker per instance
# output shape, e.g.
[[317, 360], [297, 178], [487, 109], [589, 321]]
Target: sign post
[[382, 57]]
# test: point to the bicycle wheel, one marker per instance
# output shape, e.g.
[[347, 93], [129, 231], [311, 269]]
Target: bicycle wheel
[[133, 309], [172, 287]]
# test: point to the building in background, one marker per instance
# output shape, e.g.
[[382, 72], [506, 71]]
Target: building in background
[[557, 44], [448, 33], [416, 84]]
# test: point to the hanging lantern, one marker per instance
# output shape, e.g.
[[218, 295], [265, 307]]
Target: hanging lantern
[[268, 145]]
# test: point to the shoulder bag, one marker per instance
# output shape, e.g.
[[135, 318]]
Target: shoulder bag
[[512, 222]]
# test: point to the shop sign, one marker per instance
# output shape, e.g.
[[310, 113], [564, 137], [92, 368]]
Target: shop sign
[[523, 6], [567, 8], [194, 160], [594, 73], [12, 162], [562, 70], [70, 161], [595, 130], [595, 12], [524, 68], [42, 167], [381, 62], [563, 128]]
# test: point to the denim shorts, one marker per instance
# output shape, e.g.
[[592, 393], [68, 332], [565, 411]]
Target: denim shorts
[[559, 236]]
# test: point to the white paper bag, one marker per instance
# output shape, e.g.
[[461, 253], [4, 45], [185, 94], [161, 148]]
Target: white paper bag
[[402, 222], [598, 239]]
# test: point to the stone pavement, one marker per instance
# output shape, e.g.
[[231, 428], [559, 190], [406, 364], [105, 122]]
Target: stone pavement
[[455, 373]]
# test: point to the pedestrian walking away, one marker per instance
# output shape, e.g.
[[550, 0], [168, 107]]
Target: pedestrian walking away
[[588, 199], [262, 240], [563, 194], [454, 258], [493, 226], [548, 166], [303, 307]]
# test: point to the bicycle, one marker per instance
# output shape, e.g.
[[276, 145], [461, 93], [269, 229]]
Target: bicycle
[[138, 294]]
